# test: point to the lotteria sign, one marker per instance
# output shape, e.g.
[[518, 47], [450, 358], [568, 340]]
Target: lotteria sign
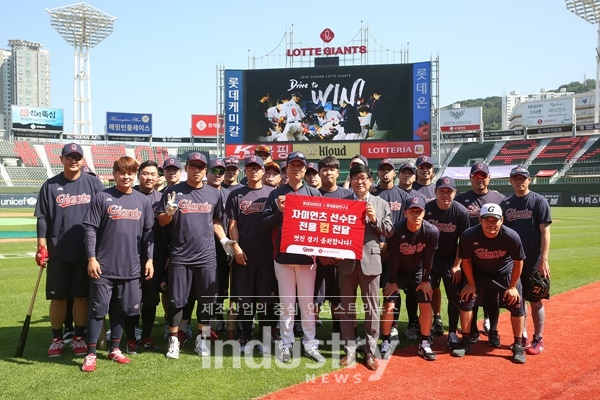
[[326, 36]]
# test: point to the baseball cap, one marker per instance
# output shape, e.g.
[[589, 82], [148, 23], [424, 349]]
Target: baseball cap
[[386, 161], [254, 160], [283, 166], [407, 165], [171, 162], [413, 202], [313, 166], [216, 163], [71, 148], [296, 156], [480, 167], [273, 165], [88, 170], [297, 94], [362, 158], [520, 170], [319, 109], [264, 148], [424, 160], [196, 157], [445, 182], [232, 162], [490, 210]]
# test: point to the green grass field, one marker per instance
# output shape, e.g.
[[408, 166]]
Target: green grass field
[[573, 259]]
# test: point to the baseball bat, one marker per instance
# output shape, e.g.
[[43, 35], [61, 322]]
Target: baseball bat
[[25, 328]]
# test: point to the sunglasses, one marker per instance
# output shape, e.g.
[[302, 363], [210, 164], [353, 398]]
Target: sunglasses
[[74, 157], [217, 171], [296, 154]]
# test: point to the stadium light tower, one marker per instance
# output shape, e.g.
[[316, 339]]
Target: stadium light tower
[[83, 27], [590, 11]]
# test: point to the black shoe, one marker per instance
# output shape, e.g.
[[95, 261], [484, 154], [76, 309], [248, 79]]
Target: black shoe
[[493, 339], [463, 349], [437, 328], [474, 337], [518, 356]]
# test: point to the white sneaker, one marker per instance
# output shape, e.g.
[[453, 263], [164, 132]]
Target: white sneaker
[[486, 326], [425, 351], [315, 355], [394, 337], [173, 350], [201, 348]]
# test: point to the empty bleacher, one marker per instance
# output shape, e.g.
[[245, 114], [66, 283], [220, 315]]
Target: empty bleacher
[[184, 151], [147, 153], [588, 163], [27, 176], [515, 152], [53, 152], [104, 157], [469, 152], [27, 153], [7, 149]]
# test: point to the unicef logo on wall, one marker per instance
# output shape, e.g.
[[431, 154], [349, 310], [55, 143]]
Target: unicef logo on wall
[[18, 200]]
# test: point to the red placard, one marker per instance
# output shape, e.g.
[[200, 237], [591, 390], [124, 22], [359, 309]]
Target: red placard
[[318, 226], [204, 125], [395, 149]]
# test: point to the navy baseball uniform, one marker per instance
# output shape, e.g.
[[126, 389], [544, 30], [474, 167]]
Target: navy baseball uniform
[[525, 215], [473, 202], [411, 258], [60, 210], [492, 261], [427, 191]]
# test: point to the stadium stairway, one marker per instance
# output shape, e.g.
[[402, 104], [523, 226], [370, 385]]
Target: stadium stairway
[[591, 140], [41, 152], [5, 176], [543, 143]]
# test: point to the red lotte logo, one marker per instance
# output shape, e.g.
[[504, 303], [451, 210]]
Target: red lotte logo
[[327, 35], [66, 200]]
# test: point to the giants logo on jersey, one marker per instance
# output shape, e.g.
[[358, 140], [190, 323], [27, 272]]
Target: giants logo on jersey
[[473, 210], [249, 207], [485, 254], [395, 206], [187, 206], [409, 249], [66, 200], [514, 214], [117, 212], [442, 226]]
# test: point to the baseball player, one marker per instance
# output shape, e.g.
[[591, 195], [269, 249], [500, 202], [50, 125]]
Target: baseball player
[[492, 260], [411, 250], [62, 203], [272, 175], [147, 176], [312, 177], [293, 115], [425, 178], [451, 219], [254, 286], [326, 281], [407, 174], [232, 170], [293, 270], [473, 200], [118, 218], [284, 177], [528, 213], [325, 116], [193, 212]]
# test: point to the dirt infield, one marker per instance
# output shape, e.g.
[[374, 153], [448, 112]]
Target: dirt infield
[[569, 368], [16, 214], [18, 240]]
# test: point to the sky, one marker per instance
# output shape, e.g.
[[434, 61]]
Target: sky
[[162, 57]]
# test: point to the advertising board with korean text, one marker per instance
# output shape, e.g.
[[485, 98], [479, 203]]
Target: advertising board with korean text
[[361, 104], [37, 119], [118, 123], [325, 227], [548, 113]]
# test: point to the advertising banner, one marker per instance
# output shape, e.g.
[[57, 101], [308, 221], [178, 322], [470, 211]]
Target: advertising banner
[[327, 227], [204, 125], [548, 113], [461, 119], [37, 119], [279, 152], [367, 103], [128, 124], [18, 200]]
